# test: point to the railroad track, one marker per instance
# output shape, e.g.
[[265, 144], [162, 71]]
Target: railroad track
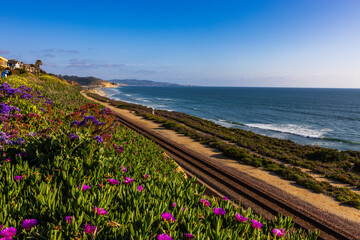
[[229, 182]]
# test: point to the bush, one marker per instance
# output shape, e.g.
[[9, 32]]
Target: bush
[[357, 166], [327, 155], [236, 153]]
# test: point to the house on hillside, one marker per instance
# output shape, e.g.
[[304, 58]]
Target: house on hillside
[[12, 63], [3, 62], [31, 68]]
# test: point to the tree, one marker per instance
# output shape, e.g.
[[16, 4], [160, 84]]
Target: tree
[[38, 63]]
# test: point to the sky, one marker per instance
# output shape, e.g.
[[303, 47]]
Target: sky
[[260, 43]]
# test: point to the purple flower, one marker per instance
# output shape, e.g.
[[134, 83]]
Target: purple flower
[[225, 198], [164, 236], [240, 218], [74, 123], [84, 187], [219, 211], [29, 223], [174, 205], [17, 178], [279, 232], [140, 188], [189, 236], [99, 139], [8, 232], [256, 224], [113, 181], [68, 219], [89, 229], [73, 136], [205, 202], [183, 209], [100, 211], [168, 217]]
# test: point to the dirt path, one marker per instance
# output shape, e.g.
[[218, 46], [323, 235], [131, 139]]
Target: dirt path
[[320, 201]]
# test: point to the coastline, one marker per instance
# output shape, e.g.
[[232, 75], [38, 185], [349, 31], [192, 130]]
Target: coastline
[[324, 204]]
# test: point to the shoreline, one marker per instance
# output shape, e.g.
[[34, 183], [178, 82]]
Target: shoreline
[[323, 203], [301, 133]]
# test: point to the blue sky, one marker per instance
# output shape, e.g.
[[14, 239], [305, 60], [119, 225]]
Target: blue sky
[[273, 43]]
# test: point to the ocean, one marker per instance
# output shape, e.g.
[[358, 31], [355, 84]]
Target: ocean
[[325, 117]]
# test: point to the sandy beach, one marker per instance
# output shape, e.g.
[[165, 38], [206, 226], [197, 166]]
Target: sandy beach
[[320, 202]]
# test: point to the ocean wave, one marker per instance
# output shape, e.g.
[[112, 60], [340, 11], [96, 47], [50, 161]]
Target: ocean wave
[[164, 99], [300, 130], [340, 140], [226, 123]]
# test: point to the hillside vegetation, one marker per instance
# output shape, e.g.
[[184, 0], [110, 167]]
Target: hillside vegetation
[[71, 171]]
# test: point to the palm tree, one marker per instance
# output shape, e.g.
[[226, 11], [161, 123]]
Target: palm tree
[[38, 63]]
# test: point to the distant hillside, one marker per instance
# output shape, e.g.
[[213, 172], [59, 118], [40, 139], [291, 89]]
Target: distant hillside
[[136, 82], [90, 81]]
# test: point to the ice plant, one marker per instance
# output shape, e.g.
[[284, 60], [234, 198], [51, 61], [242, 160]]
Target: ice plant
[[279, 232], [219, 211], [174, 204], [8, 233], [84, 187], [29, 223], [225, 198], [128, 180], [17, 178], [240, 218], [89, 228], [140, 188], [100, 211], [68, 219], [205, 202], [168, 217], [163, 236], [189, 236], [256, 224], [146, 176], [113, 181]]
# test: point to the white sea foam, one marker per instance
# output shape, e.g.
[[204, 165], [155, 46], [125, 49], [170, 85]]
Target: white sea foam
[[300, 130], [164, 99], [226, 123]]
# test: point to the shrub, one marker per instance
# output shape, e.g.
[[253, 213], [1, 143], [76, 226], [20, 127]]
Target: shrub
[[327, 155]]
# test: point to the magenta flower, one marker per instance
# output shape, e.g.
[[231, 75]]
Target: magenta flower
[[183, 209], [68, 219], [146, 176], [100, 211], [219, 211], [225, 198], [89, 229], [205, 202], [189, 236], [240, 218], [140, 188], [84, 187], [128, 180], [17, 178], [164, 236], [256, 224], [8, 232], [29, 223], [174, 204], [124, 170], [279, 232], [113, 181], [168, 217]]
